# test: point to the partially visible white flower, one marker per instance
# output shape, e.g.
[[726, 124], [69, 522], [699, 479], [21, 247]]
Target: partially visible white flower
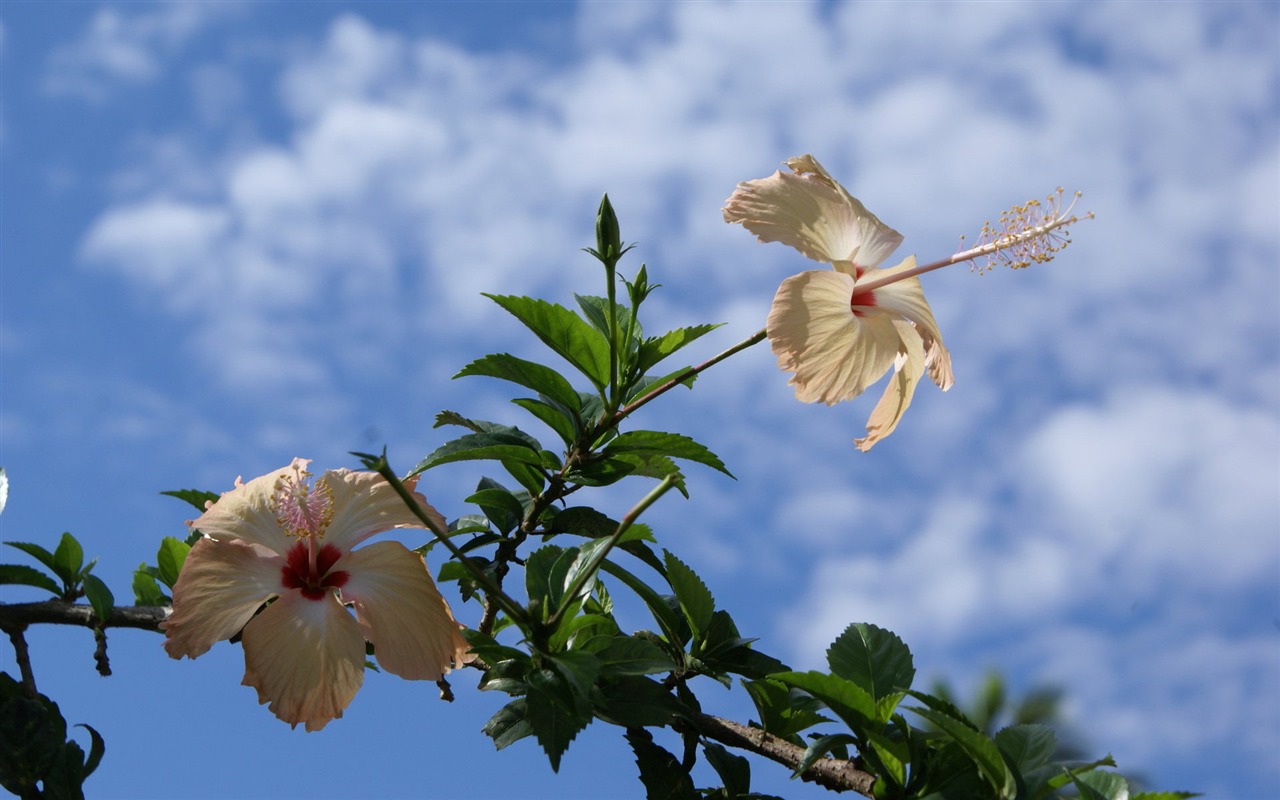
[[833, 335], [284, 541]]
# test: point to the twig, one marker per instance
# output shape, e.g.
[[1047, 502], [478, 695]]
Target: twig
[[685, 375], [835, 774], [23, 657], [100, 652]]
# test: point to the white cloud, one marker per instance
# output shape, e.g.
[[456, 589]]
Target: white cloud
[[163, 243], [120, 48], [1155, 474]]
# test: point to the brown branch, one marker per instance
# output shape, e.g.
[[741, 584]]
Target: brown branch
[[57, 612], [835, 774]]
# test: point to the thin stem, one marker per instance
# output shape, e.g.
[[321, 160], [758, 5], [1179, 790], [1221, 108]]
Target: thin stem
[[685, 375], [513, 608], [611, 273], [588, 573]]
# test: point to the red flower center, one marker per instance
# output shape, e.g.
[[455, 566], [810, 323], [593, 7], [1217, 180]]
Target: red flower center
[[861, 299], [312, 576]]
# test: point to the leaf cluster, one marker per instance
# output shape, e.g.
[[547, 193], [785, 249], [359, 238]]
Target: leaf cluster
[[66, 576], [37, 760]]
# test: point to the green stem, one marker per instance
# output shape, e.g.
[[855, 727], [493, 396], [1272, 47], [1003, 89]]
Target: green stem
[[685, 375], [611, 272], [593, 566]]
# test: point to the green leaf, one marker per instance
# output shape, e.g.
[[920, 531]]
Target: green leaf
[[564, 332], [673, 624], [671, 445], [500, 505], [724, 650], [847, 700], [170, 558], [660, 772], [783, 711], [1100, 785], [540, 583], [695, 599], [514, 445], [555, 416], [1164, 795], [634, 701], [541, 379], [552, 709], [656, 348], [977, 745], [18, 574], [820, 747], [68, 558], [530, 476], [1027, 747], [96, 750], [146, 591], [734, 770], [100, 597], [627, 655], [582, 521], [37, 552], [195, 497], [875, 659], [596, 311], [510, 724]]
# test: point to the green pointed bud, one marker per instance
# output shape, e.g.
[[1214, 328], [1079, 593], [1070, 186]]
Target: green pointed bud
[[608, 239]]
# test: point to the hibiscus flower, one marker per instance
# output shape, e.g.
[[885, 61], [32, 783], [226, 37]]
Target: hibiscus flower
[[285, 541], [839, 331]]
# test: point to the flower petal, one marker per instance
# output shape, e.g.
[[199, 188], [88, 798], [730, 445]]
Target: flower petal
[[906, 298], [221, 585], [246, 512], [305, 658], [808, 210], [402, 612], [907, 369], [365, 504], [814, 333]]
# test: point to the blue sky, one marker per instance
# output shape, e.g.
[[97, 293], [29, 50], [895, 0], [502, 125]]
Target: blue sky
[[235, 233]]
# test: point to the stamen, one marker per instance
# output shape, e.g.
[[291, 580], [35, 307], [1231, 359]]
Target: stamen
[[301, 510], [1029, 233], [1026, 234]]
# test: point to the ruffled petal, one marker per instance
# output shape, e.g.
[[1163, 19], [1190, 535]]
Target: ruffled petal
[[305, 658], [906, 298], [246, 512], [814, 333], [402, 612], [810, 211], [221, 585], [365, 504], [907, 369]]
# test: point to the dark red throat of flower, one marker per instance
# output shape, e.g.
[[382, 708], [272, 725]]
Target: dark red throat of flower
[[313, 581], [860, 300]]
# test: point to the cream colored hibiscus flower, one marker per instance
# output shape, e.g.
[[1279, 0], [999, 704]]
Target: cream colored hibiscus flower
[[833, 330], [284, 540]]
